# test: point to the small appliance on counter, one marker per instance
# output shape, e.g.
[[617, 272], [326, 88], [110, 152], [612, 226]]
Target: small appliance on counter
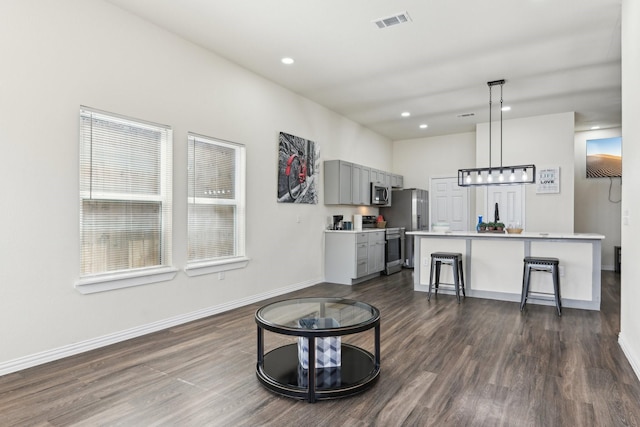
[[337, 222], [357, 222], [368, 221]]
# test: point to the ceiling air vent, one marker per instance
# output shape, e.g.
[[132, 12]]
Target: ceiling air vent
[[390, 21], [463, 115]]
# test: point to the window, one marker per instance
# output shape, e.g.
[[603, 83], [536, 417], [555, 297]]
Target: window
[[125, 201], [216, 211]]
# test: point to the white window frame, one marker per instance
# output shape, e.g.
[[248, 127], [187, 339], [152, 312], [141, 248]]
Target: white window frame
[[239, 259], [104, 281]]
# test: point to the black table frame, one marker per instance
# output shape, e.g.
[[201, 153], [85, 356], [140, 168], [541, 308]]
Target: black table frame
[[310, 393]]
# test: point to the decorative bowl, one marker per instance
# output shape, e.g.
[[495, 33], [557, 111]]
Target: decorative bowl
[[514, 230]]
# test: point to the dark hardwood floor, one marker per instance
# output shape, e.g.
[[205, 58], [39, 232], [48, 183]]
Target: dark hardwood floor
[[479, 363]]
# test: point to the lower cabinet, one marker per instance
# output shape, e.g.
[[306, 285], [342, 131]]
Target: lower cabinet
[[375, 255], [353, 257]]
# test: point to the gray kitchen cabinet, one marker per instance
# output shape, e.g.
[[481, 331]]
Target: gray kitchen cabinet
[[353, 257], [397, 181], [365, 185], [375, 254], [347, 183], [360, 185], [386, 178], [377, 176], [362, 255], [338, 176], [356, 185]]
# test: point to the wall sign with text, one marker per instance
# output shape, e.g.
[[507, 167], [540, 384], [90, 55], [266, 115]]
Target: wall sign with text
[[548, 180]]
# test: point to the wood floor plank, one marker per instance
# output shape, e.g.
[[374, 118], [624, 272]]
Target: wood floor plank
[[478, 363]]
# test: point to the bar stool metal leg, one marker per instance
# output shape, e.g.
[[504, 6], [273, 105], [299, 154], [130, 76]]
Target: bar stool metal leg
[[456, 279], [431, 280], [525, 287], [461, 271], [556, 289]]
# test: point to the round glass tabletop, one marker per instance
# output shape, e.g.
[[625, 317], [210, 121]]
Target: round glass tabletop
[[331, 315]]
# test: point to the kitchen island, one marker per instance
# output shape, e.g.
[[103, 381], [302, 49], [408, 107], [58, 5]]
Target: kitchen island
[[493, 264]]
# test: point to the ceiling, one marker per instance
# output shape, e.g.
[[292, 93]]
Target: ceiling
[[556, 56]]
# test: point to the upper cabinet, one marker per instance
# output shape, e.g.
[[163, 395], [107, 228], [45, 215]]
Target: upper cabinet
[[347, 183], [397, 181], [360, 179], [338, 182]]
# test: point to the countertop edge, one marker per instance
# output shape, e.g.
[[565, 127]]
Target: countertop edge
[[366, 230], [524, 235]]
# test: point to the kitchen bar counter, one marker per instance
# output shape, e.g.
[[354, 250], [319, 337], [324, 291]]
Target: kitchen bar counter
[[364, 230], [494, 262]]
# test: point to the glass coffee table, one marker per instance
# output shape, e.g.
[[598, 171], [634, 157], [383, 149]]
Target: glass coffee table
[[340, 369]]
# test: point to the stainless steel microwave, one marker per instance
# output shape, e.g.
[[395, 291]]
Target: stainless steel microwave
[[380, 194]]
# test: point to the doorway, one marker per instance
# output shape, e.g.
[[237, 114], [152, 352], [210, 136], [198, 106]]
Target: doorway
[[449, 203], [510, 201]]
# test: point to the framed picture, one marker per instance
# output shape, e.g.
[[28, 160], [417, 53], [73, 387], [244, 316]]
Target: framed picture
[[548, 180], [298, 167], [604, 157]]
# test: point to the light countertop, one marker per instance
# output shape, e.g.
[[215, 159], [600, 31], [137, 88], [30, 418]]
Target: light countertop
[[364, 230], [523, 235]]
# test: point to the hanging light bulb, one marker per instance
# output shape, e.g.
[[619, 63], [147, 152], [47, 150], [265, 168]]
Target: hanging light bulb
[[512, 177], [468, 178], [524, 175], [489, 176], [501, 177], [479, 178]]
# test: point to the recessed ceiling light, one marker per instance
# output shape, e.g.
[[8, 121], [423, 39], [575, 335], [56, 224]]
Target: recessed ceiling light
[[506, 108], [595, 127], [406, 114], [287, 61], [424, 126]]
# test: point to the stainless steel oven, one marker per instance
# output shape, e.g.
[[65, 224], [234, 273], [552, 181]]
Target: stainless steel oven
[[394, 250]]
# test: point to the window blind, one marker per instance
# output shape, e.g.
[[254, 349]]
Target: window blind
[[215, 199], [125, 193]]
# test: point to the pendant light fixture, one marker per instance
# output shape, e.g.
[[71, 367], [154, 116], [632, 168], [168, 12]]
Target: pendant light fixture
[[498, 175]]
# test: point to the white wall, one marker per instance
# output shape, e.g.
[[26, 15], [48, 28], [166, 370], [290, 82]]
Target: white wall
[[59, 55], [419, 160], [597, 200], [545, 141], [629, 313]]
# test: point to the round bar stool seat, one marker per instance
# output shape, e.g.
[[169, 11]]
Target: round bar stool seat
[[455, 261], [549, 265]]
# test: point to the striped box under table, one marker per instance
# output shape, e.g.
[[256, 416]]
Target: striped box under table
[[327, 349]]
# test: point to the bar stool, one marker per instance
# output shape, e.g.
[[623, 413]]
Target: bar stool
[[549, 265], [455, 261]]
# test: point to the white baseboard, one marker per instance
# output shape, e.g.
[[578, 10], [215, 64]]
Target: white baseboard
[[93, 343], [634, 359]]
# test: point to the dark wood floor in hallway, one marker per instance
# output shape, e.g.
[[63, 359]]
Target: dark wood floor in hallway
[[478, 363]]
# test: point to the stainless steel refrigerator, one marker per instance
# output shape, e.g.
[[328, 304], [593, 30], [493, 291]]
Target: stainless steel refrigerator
[[409, 209]]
